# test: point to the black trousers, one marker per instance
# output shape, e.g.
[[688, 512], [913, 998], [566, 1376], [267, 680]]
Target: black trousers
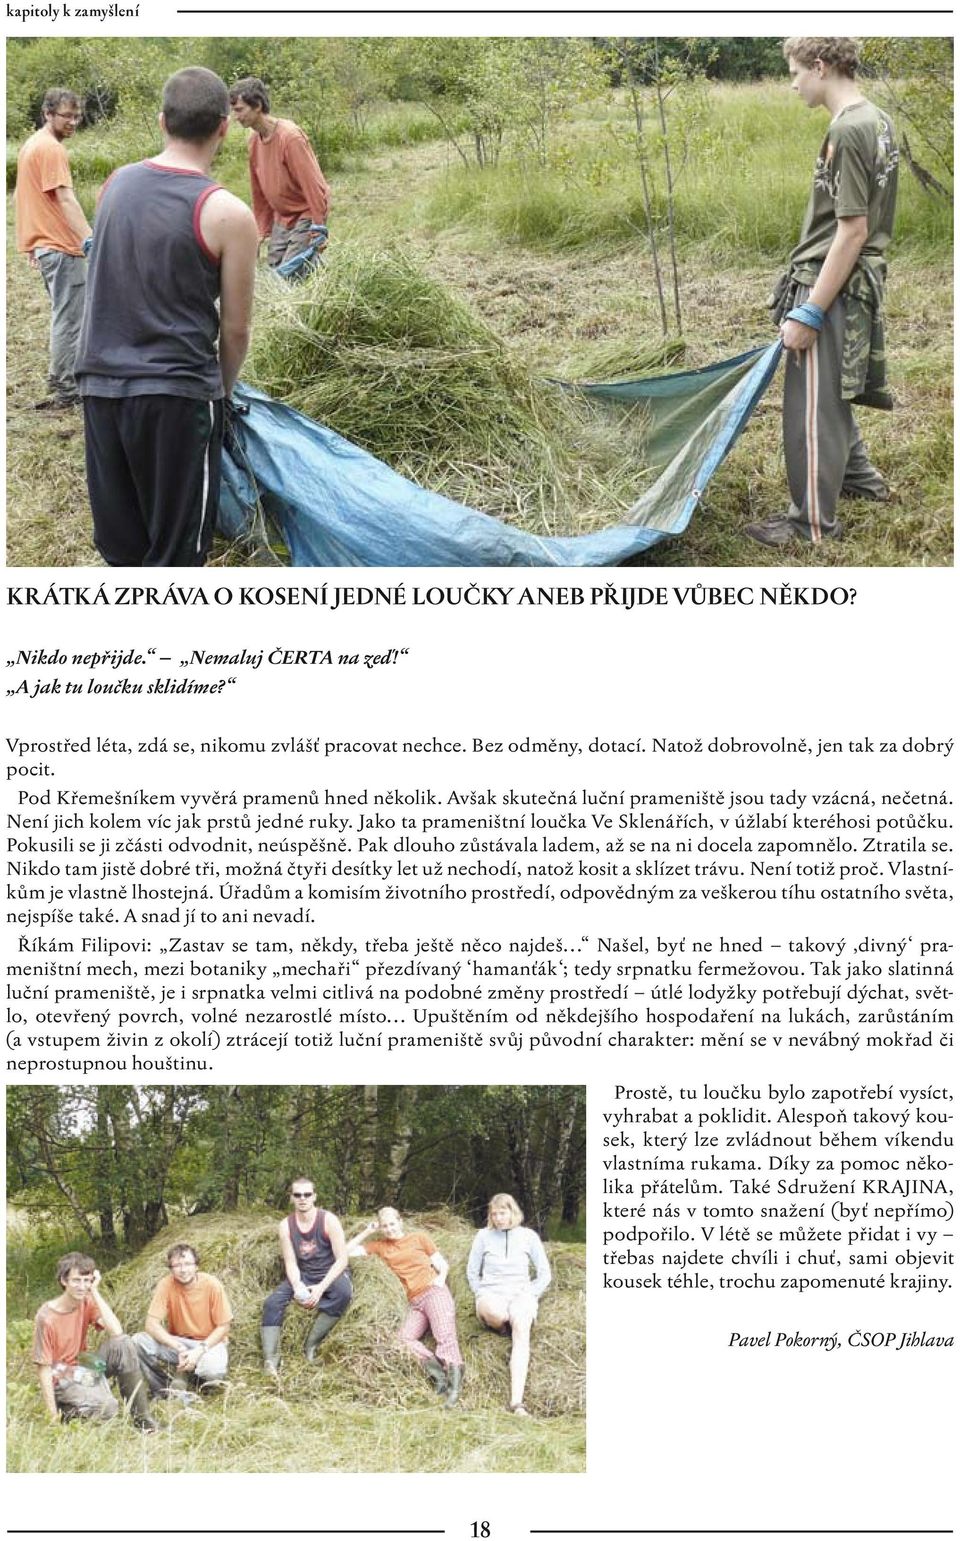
[[153, 475]]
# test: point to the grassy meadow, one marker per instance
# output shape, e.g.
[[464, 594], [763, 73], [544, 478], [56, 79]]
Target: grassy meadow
[[450, 292], [361, 1407]]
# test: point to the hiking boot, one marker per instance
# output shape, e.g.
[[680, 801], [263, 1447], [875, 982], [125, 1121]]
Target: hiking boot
[[436, 1373], [882, 494], [771, 532], [56, 403], [781, 531], [454, 1382]]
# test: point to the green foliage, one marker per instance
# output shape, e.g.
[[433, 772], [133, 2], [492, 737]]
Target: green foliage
[[112, 76], [486, 91], [731, 58], [718, 58], [741, 187], [125, 1156], [361, 77], [550, 77], [461, 82], [340, 91], [915, 80]]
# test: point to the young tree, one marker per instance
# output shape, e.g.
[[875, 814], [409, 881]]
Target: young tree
[[550, 77], [674, 86], [466, 84]]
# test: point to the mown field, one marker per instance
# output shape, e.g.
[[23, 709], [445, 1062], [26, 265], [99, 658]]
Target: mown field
[[361, 1407], [491, 280]]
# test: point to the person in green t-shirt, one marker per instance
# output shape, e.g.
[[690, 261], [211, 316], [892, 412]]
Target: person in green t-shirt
[[829, 302]]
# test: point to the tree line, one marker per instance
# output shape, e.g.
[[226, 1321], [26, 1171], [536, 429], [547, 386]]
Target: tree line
[[347, 74], [117, 1161]]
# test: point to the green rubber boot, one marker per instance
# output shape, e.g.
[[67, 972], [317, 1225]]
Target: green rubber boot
[[133, 1389], [437, 1374], [270, 1342], [321, 1325], [454, 1382]]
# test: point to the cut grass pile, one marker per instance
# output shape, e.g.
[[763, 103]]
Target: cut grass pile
[[362, 1406], [376, 349]]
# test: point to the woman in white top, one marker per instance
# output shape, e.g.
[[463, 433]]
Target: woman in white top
[[508, 1271]]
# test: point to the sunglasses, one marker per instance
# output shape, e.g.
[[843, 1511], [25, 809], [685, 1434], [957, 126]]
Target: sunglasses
[[302, 1194]]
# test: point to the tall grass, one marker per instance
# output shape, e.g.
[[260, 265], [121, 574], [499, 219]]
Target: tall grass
[[96, 152], [742, 187]]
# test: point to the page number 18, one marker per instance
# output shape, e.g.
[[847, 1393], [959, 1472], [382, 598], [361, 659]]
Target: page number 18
[[480, 1528]]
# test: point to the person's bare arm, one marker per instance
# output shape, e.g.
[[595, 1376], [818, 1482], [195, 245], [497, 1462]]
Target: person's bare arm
[[290, 1264], [159, 1333], [111, 1322], [216, 1336], [838, 264], [73, 213], [230, 232], [45, 1377], [439, 1263], [191, 1357], [355, 1247]]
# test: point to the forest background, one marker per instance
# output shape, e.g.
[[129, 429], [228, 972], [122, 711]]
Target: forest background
[[506, 209], [121, 1172], [113, 1165]]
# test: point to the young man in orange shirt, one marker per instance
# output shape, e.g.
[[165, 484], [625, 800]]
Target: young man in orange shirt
[[188, 1324], [52, 230], [290, 194], [73, 1382]]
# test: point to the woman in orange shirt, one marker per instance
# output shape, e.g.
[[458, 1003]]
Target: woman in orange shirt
[[422, 1271]]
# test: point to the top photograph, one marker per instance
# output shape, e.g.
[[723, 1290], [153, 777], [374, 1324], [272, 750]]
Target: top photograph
[[480, 302]]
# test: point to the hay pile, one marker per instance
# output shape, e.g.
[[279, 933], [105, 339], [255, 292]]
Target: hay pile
[[359, 1362], [386, 356]]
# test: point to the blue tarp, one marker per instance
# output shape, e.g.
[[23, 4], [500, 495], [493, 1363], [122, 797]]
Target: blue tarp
[[338, 506]]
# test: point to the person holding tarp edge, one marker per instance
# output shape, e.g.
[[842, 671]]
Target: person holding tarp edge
[[829, 303], [165, 332], [289, 192]]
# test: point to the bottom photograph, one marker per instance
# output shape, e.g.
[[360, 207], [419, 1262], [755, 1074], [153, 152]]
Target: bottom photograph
[[273, 1278]]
